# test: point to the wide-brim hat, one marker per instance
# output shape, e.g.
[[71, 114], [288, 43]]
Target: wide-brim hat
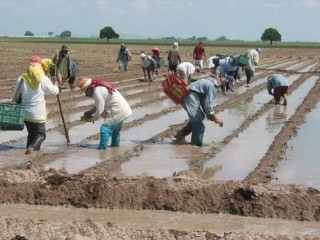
[[84, 83]]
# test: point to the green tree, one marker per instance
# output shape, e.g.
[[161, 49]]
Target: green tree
[[222, 38], [271, 34], [28, 33], [65, 34], [108, 33]]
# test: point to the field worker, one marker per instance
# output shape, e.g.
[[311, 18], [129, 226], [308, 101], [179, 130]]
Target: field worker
[[159, 60], [123, 58], [198, 104], [277, 86], [198, 54], [32, 87], [186, 70], [110, 105], [214, 63], [148, 66], [254, 56], [173, 57], [227, 83], [63, 68], [226, 68]]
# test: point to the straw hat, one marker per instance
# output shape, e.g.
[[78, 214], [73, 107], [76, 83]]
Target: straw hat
[[84, 83]]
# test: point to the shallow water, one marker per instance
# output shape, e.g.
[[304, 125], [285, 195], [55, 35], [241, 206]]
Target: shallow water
[[301, 163], [243, 153]]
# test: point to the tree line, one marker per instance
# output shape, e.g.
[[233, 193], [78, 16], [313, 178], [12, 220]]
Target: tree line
[[269, 35]]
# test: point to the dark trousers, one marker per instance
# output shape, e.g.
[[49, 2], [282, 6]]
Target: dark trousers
[[280, 92], [249, 75], [36, 135]]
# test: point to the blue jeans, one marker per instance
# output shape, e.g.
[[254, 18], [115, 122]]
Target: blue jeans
[[196, 127], [107, 131]]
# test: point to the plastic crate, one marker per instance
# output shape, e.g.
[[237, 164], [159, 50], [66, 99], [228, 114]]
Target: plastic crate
[[175, 88], [11, 117]]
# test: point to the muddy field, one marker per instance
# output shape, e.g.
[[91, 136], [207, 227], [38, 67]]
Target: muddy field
[[150, 188]]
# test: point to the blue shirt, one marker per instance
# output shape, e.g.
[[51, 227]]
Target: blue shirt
[[276, 80], [202, 94], [226, 67]]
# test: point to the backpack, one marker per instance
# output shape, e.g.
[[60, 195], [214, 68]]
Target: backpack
[[239, 60]]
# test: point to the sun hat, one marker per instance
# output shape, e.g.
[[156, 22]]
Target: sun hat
[[84, 83], [35, 59], [143, 55], [175, 45]]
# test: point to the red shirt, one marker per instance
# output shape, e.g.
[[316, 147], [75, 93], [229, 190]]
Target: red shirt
[[198, 52]]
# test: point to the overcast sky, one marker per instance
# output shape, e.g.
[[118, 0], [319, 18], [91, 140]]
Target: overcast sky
[[296, 20]]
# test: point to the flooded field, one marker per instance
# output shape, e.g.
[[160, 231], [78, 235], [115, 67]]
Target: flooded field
[[255, 178]]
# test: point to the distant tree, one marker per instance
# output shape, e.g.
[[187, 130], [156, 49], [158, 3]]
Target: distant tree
[[271, 35], [28, 33], [65, 34], [108, 33], [50, 34], [169, 38], [202, 38], [222, 38]]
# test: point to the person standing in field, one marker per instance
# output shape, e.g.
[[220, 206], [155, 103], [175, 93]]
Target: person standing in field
[[185, 71], [254, 57], [199, 104], [64, 67], [110, 105], [32, 87], [198, 54], [123, 58], [277, 86], [173, 57]]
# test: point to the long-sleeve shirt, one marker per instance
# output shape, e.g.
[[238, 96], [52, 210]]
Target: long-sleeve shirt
[[186, 70], [276, 80], [253, 56], [113, 107], [174, 57], [34, 100], [202, 94], [226, 67]]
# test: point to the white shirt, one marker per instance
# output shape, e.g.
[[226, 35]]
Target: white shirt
[[34, 100], [113, 107]]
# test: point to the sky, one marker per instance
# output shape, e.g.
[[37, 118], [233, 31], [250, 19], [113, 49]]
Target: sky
[[295, 20]]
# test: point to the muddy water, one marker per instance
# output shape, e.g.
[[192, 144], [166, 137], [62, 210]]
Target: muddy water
[[243, 153], [301, 163], [154, 155], [164, 220]]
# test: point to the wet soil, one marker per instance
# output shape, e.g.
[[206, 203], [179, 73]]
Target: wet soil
[[101, 187]]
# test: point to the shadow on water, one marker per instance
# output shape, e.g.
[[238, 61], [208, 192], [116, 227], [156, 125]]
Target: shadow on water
[[301, 163]]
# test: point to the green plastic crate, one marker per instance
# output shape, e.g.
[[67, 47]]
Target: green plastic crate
[[11, 117]]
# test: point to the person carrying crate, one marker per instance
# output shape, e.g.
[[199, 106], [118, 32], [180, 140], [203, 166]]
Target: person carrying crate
[[198, 104], [31, 88]]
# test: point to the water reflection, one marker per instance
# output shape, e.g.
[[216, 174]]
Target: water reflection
[[276, 117]]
